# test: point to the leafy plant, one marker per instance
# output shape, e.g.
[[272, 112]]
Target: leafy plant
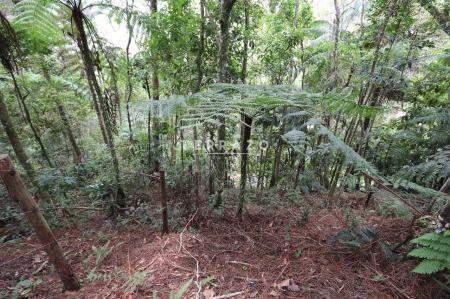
[[135, 281], [434, 251], [25, 287], [354, 238], [180, 292]]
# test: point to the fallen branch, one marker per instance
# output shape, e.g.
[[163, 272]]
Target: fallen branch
[[392, 191], [228, 295]]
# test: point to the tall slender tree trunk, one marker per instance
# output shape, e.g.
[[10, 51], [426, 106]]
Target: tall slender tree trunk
[[278, 152], [155, 91], [73, 143], [337, 22], [28, 119], [445, 214], [76, 152], [15, 141], [149, 122], [246, 121], [276, 163], [225, 12], [246, 34], [201, 47], [77, 16], [262, 163], [367, 90], [98, 112], [246, 127], [19, 151], [199, 62], [129, 85]]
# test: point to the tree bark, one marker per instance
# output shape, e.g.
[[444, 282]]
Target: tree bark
[[225, 12], [18, 191], [76, 150], [246, 128], [201, 47], [162, 185], [337, 22], [77, 17], [98, 111], [445, 214], [22, 157], [246, 33], [155, 91], [129, 85], [197, 173], [28, 119], [15, 141]]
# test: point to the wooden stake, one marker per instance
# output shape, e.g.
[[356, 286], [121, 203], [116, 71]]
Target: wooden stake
[[162, 185], [18, 191]]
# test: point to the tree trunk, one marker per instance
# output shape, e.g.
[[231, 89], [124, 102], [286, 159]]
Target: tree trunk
[[155, 91], [76, 150], [19, 151], [98, 112], [149, 122], [15, 141], [77, 16], [246, 34], [277, 158], [162, 186], [337, 22], [129, 85], [225, 13], [445, 214], [197, 173], [246, 134], [367, 90], [21, 98], [18, 191], [201, 47]]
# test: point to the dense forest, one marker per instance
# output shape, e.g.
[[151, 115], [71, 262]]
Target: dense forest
[[224, 148]]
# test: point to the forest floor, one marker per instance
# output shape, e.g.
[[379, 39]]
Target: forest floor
[[274, 251]]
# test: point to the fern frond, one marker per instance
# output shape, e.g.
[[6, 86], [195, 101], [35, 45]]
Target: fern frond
[[41, 19], [430, 267], [435, 252], [429, 253]]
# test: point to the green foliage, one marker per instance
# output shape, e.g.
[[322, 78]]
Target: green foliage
[[25, 287], [135, 281], [181, 291], [434, 252], [354, 237]]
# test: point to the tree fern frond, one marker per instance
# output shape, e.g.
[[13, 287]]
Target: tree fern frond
[[429, 253], [430, 267], [435, 252], [40, 18]]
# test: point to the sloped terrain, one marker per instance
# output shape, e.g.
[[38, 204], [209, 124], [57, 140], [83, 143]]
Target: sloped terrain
[[272, 252]]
